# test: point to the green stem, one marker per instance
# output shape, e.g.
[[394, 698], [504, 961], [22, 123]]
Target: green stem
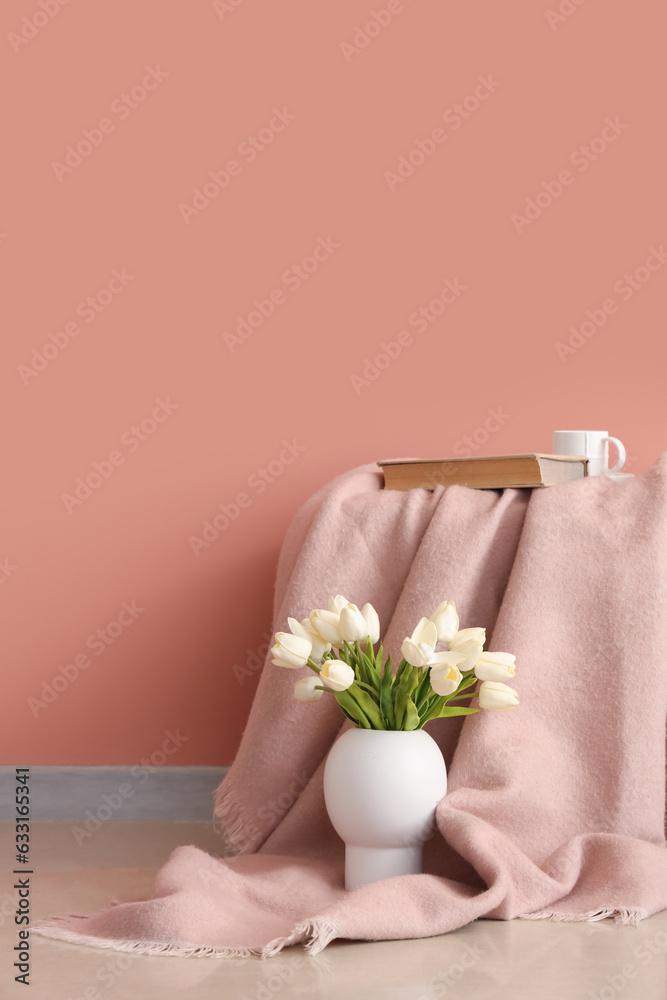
[[353, 709], [367, 686], [421, 704], [368, 660], [433, 709]]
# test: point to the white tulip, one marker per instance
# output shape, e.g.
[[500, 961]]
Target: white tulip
[[291, 650], [495, 666], [326, 624], [420, 647], [372, 622], [337, 603], [306, 631], [445, 620], [445, 678], [497, 697], [471, 653], [352, 626], [471, 642], [467, 635], [449, 658], [305, 690], [337, 675]]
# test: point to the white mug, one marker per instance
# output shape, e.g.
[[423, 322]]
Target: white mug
[[593, 444]]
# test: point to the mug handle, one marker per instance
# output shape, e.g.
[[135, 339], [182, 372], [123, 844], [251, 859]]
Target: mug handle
[[621, 453]]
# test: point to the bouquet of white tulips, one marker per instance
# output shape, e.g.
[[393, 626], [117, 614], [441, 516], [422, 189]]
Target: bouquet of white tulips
[[441, 663]]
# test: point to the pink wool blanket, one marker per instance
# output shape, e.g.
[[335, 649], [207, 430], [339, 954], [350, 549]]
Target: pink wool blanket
[[554, 810]]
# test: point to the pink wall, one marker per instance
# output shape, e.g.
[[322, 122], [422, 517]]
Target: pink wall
[[327, 172]]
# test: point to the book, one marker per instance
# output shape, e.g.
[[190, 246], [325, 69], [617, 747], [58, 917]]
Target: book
[[493, 472]]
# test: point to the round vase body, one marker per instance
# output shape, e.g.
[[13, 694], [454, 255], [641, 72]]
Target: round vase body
[[381, 788]]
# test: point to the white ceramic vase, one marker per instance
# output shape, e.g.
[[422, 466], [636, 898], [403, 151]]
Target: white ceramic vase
[[381, 788]]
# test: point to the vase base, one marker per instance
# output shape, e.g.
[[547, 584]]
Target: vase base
[[370, 864]]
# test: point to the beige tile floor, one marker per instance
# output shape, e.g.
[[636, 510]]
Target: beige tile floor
[[515, 960]]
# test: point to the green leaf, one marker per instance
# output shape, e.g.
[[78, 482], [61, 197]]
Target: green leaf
[[401, 692], [449, 710], [399, 673], [368, 706], [363, 673], [423, 687], [411, 679], [411, 720], [386, 702], [346, 713], [378, 660], [352, 709], [435, 704], [371, 673], [426, 706], [400, 706]]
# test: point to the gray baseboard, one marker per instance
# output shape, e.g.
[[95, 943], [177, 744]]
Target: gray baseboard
[[115, 793]]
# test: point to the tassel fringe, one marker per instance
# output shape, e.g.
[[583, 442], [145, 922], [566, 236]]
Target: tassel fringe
[[49, 928], [316, 933], [230, 824], [621, 914]]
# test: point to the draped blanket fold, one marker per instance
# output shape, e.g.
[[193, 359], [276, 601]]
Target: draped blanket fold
[[554, 810]]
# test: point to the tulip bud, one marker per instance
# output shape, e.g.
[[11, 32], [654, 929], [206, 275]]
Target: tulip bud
[[337, 675], [305, 689], [337, 603], [448, 657], [326, 624], [352, 626], [419, 648], [305, 629], [497, 697], [445, 678], [291, 650], [372, 622], [445, 620], [467, 635], [495, 666], [470, 647]]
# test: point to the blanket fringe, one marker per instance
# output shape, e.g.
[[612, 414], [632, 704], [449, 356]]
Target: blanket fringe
[[230, 823], [49, 928], [621, 914], [317, 933]]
